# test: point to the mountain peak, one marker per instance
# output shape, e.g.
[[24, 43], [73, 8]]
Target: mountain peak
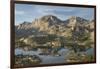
[[25, 22], [72, 17], [49, 17], [78, 19]]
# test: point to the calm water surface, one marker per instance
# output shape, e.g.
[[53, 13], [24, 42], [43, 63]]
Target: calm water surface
[[49, 58]]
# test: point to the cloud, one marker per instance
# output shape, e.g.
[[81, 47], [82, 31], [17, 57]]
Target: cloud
[[55, 10], [19, 12], [30, 12]]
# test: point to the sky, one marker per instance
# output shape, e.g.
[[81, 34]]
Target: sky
[[29, 12]]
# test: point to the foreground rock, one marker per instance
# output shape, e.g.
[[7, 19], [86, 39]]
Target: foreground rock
[[26, 60]]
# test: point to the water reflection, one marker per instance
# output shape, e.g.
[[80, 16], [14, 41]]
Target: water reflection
[[46, 59]]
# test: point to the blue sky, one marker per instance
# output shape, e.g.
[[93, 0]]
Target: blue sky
[[26, 12]]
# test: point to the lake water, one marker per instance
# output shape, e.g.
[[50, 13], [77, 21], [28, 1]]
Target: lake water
[[48, 59]]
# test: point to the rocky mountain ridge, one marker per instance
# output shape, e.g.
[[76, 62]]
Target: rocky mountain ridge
[[50, 24]]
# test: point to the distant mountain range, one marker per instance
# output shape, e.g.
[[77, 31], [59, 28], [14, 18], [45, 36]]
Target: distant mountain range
[[50, 24]]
